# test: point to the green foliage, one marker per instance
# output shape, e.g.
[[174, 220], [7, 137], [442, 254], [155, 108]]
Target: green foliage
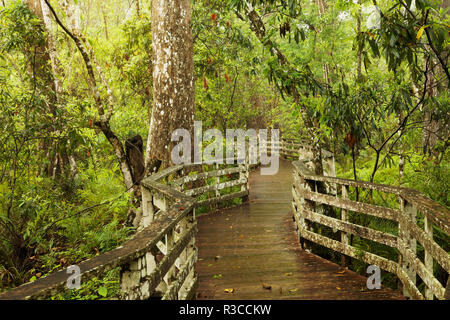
[[430, 178], [20, 30], [94, 289]]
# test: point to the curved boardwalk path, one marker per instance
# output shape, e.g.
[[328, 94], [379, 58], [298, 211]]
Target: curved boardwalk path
[[244, 247]]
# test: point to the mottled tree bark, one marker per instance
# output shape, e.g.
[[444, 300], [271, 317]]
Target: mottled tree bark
[[173, 79], [138, 8], [326, 67], [73, 15], [358, 30]]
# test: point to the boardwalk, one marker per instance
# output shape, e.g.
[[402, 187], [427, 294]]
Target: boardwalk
[[253, 249]]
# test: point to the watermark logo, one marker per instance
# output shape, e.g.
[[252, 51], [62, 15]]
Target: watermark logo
[[74, 281], [374, 281], [245, 146]]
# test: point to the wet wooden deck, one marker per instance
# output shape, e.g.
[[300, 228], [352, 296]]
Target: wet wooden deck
[[253, 247]]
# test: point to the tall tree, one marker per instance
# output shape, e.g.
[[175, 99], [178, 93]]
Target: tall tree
[[173, 79], [173, 85], [46, 72]]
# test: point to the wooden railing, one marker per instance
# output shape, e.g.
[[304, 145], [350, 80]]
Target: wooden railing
[[297, 150], [159, 260], [316, 211]]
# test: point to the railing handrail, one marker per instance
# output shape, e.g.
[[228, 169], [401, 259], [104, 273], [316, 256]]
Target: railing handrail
[[439, 214], [285, 144]]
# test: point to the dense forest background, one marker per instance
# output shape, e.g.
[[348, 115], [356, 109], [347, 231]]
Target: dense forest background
[[370, 85]]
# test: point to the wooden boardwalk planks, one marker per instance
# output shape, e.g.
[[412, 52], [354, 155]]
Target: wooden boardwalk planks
[[245, 247]]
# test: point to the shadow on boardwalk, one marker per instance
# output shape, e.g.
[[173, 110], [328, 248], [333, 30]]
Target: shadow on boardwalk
[[255, 245]]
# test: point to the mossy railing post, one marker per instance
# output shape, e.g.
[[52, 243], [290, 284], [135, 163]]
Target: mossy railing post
[[408, 213], [244, 176], [428, 228], [186, 263], [148, 209], [132, 272], [345, 239], [215, 206], [304, 225]]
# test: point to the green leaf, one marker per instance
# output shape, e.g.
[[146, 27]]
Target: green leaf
[[420, 32], [374, 46], [103, 291], [393, 40]]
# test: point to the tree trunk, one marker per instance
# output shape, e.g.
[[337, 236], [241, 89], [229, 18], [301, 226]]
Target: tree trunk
[[138, 8], [46, 72], [105, 21], [46, 18], [41, 67], [173, 85], [326, 67], [432, 128], [73, 15], [173, 79], [358, 30]]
